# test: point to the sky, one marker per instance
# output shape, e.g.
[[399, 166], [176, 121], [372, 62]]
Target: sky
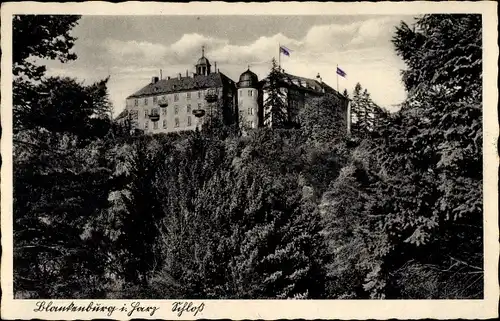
[[133, 49]]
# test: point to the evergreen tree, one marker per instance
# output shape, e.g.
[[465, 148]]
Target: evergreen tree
[[275, 107], [41, 36], [61, 173], [358, 111], [365, 114], [61, 186], [442, 138], [280, 252], [323, 119]]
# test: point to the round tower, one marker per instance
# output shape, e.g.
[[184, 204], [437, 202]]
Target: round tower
[[248, 99]]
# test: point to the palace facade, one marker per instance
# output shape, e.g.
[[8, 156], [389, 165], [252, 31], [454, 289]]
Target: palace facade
[[184, 102]]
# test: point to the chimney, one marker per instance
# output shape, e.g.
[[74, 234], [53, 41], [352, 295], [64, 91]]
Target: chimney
[[187, 73], [168, 77], [218, 70], [215, 67], [161, 76], [318, 77], [154, 80], [180, 76]]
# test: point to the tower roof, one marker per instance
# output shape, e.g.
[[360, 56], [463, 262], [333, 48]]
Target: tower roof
[[203, 60], [248, 79]]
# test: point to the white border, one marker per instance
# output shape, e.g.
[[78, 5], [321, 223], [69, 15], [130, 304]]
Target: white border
[[273, 309]]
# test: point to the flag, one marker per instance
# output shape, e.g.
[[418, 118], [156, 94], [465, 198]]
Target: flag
[[341, 72], [284, 50]]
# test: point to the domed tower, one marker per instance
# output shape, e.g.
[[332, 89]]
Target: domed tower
[[203, 65], [248, 99]]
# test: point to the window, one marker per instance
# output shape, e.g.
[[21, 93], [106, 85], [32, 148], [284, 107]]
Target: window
[[146, 124], [154, 100], [145, 113], [164, 112], [188, 95], [250, 111], [145, 101], [189, 109], [176, 97], [199, 105], [189, 120], [250, 93], [136, 103], [155, 125], [164, 123], [199, 94], [176, 122], [176, 110]]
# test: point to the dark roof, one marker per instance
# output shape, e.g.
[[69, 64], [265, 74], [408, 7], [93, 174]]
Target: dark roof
[[308, 84], [173, 85], [248, 79], [302, 82]]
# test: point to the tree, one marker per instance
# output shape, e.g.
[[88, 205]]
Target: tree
[[41, 36], [411, 193], [431, 154], [323, 118], [280, 253], [61, 186], [64, 105], [141, 209], [367, 117], [276, 113], [61, 173], [442, 50], [359, 110]]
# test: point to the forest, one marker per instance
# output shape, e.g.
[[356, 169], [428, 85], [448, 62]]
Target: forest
[[392, 211]]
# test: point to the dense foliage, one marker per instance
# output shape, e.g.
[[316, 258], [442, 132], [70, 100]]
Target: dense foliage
[[392, 211]]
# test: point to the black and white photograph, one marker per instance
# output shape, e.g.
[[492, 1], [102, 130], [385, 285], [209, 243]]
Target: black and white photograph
[[245, 156]]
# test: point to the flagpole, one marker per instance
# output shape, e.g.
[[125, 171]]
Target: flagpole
[[336, 72], [279, 56]]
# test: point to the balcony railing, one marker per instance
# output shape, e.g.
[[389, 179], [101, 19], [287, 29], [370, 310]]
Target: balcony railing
[[199, 113], [163, 103], [211, 97], [154, 117]]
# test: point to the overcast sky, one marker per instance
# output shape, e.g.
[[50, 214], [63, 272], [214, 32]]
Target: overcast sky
[[132, 49]]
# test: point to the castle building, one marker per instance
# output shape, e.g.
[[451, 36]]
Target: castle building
[[185, 102]]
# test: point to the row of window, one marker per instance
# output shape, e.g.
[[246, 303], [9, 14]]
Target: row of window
[[250, 111], [176, 98], [154, 111], [164, 123], [249, 92]]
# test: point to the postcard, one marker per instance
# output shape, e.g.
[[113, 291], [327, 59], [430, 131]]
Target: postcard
[[249, 160]]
